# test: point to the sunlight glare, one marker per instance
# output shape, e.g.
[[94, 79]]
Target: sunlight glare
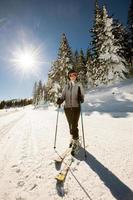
[[26, 60]]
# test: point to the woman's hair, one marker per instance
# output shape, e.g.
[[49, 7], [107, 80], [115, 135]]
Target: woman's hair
[[70, 72]]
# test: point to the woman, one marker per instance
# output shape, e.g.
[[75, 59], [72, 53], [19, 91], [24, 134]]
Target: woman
[[73, 95]]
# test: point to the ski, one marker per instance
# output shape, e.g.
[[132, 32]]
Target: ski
[[63, 173], [61, 157]]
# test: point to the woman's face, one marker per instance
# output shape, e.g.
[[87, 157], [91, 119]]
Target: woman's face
[[73, 76]]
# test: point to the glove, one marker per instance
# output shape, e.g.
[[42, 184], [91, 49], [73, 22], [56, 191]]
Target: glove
[[59, 101]]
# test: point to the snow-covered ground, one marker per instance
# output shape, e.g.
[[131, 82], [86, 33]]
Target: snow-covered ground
[[27, 169]]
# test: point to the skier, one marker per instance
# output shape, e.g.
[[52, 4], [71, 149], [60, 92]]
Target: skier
[[73, 95]]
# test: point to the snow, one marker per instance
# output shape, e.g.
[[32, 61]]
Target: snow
[[27, 169]]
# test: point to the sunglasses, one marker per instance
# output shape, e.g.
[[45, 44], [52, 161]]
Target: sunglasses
[[73, 74]]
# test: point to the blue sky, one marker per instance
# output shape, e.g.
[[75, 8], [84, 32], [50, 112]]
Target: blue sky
[[39, 24]]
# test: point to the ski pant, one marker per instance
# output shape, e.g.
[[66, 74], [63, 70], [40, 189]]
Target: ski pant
[[72, 115]]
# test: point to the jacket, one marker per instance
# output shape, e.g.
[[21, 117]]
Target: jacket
[[71, 94]]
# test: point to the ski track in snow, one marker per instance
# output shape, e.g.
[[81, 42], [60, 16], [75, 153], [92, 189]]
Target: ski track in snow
[[27, 169]]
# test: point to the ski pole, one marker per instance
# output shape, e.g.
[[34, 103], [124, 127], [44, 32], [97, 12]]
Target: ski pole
[[83, 131], [56, 126]]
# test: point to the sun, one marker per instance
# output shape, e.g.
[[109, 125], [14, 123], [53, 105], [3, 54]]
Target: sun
[[26, 59]]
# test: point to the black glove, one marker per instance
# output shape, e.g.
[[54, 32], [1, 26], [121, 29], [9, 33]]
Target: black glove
[[59, 101]]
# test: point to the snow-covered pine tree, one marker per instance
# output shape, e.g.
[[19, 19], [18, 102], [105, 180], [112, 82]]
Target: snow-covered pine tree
[[82, 69], [40, 91], [89, 67], [57, 76], [121, 39], [44, 93], [55, 92], [96, 31], [112, 67], [35, 93], [65, 59], [49, 89], [75, 59], [130, 32], [53, 81], [88, 55]]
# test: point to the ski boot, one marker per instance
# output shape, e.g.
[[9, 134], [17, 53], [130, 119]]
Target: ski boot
[[75, 147], [71, 142]]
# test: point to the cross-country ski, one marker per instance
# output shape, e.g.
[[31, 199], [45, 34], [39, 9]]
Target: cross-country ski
[[63, 173]]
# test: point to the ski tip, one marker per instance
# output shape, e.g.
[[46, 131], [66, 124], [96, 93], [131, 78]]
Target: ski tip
[[60, 178], [57, 161]]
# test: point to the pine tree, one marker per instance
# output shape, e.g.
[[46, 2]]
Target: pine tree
[[130, 32], [35, 93], [65, 59], [96, 32], [75, 59], [82, 69], [48, 89], [88, 55], [121, 39], [89, 67], [40, 91], [54, 73], [112, 68], [53, 80], [96, 44], [44, 93], [58, 73]]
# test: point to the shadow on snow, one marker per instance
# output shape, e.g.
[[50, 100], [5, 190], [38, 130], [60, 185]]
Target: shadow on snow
[[118, 189]]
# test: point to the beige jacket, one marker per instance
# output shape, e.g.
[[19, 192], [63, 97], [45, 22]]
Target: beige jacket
[[70, 94]]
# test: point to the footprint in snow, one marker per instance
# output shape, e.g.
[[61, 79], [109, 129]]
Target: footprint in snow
[[20, 184], [18, 170], [13, 166], [33, 187], [20, 198]]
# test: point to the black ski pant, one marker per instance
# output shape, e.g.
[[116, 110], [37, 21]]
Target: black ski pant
[[72, 115]]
